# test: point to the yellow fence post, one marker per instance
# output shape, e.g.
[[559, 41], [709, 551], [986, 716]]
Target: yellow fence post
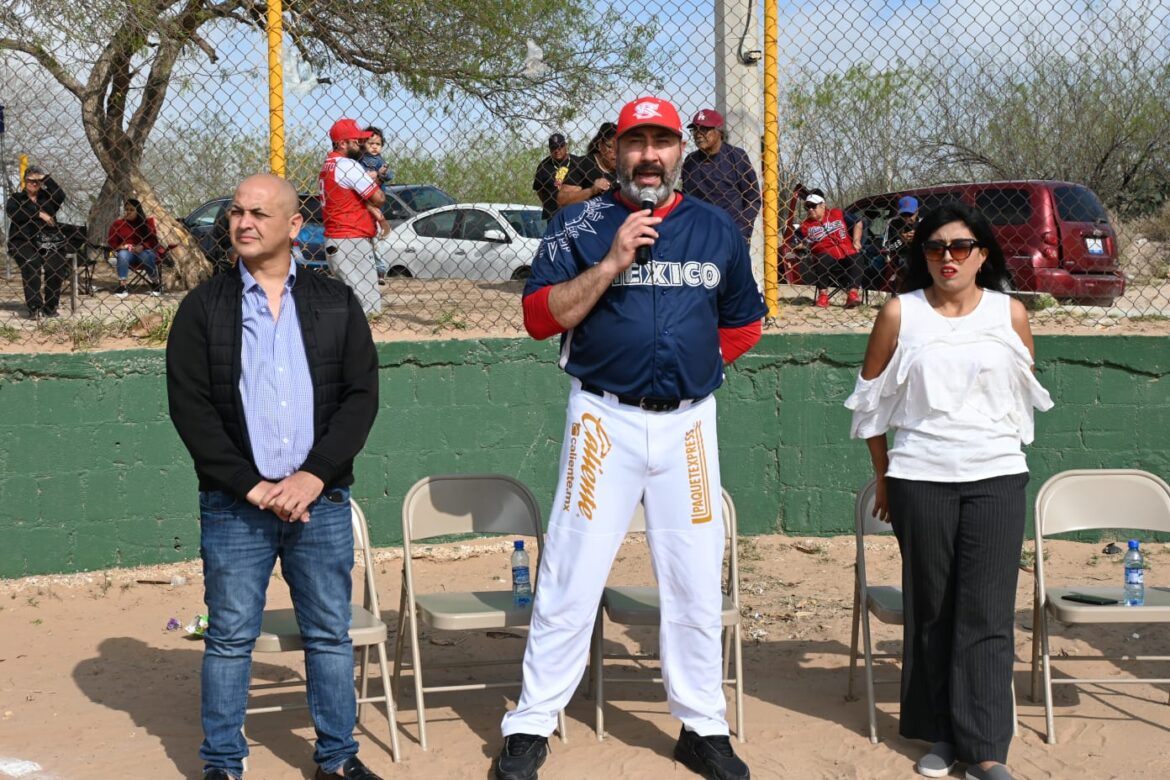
[[276, 156], [771, 162]]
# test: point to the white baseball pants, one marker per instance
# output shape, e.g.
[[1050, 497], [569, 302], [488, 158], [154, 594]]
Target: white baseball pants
[[352, 260], [614, 456]]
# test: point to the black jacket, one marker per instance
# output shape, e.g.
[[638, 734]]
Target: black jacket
[[26, 225], [204, 353]]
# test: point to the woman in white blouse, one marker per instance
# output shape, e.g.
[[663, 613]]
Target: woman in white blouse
[[949, 370]]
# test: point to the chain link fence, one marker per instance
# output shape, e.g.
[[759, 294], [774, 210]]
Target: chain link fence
[[1052, 117]]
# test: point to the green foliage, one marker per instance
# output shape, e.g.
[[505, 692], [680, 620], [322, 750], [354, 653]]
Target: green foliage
[[848, 129], [212, 158]]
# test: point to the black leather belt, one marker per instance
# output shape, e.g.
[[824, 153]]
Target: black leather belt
[[649, 404]]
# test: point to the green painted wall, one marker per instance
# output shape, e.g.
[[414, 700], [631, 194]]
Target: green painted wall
[[92, 474]]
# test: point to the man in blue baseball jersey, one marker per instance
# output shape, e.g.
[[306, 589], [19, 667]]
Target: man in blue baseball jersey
[[645, 340]]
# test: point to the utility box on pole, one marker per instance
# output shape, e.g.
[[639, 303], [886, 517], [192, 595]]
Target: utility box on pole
[[739, 91]]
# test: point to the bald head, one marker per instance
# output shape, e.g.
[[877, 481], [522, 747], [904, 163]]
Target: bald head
[[264, 218], [277, 191]]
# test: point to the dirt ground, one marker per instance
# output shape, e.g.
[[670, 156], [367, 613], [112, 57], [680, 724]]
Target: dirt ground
[[427, 309], [93, 685]]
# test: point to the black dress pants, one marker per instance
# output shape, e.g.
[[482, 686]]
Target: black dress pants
[[828, 271], [960, 544], [43, 268]]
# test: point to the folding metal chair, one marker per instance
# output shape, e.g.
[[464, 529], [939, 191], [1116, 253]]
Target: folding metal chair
[[279, 633], [447, 505], [882, 601], [1093, 499], [640, 606]]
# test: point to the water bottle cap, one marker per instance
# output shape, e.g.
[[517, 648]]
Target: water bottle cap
[[1133, 544], [518, 544]]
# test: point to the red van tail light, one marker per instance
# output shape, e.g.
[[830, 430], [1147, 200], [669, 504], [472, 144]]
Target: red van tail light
[[1050, 249]]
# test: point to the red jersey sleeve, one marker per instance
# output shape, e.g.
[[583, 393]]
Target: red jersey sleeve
[[538, 318], [733, 342]]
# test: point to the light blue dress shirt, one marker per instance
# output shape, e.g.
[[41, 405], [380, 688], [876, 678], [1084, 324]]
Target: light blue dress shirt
[[275, 383]]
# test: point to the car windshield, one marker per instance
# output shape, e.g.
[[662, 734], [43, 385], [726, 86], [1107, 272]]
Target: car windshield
[[424, 198], [526, 222], [1078, 204], [206, 214]]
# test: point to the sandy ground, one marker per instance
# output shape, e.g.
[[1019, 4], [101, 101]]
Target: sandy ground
[[92, 685]]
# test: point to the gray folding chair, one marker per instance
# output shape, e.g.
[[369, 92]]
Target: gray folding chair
[[1094, 499], [640, 606], [279, 633], [447, 505], [882, 601]]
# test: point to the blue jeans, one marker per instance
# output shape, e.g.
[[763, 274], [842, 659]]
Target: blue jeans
[[147, 258], [239, 545]]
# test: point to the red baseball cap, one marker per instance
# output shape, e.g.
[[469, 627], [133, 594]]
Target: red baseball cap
[[707, 117], [649, 111], [347, 130]]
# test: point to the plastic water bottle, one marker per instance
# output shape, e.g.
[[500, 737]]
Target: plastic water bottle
[[1135, 576], [521, 579]]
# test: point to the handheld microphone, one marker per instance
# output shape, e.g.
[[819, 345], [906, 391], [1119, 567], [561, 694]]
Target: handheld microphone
[[649, 200]]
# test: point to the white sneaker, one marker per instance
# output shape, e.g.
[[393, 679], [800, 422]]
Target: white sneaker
[[121, 292]]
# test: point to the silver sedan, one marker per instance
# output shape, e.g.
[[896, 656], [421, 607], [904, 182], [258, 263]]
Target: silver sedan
[[483, 241]]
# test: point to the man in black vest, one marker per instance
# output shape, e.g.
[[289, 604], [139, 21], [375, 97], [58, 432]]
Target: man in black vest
[[272, 379]]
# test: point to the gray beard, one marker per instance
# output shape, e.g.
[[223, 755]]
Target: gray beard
[[662, 193]]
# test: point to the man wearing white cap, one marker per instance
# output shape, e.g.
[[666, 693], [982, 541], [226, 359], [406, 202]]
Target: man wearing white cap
[[720, 173], [347, 193], [652, 294]]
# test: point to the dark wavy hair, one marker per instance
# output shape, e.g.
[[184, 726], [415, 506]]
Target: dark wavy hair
[[993, 275], [139, 214], [607, 131]]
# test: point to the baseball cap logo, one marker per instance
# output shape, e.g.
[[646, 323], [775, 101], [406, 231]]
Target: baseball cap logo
[[647, 110], [702, 117]]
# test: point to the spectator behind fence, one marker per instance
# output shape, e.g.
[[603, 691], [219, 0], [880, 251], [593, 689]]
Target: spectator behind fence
[[720, 173], [551, 173], [378, 170], [834, 240], [272, 381], [949, 370], [346, 191], [371, 158], [596, 172], [135, 242], [35, 241]]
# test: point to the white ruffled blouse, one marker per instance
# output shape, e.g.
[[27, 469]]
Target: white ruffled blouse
[[959, 393]]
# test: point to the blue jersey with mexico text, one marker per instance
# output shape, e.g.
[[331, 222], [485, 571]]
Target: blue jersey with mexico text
[[655, 331]]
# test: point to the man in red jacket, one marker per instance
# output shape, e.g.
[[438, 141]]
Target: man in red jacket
[[346, 192]]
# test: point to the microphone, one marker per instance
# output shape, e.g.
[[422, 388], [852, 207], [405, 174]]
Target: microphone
[[649, 200]]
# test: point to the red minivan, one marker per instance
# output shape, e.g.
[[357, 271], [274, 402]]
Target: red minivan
[[1055, 235]]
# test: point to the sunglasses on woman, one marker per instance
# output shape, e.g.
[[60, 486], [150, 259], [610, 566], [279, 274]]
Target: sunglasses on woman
[[960, 249]]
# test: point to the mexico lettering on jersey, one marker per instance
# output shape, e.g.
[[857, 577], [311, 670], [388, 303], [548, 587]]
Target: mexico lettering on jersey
[[345, 186], [829, 236], [655, 331]]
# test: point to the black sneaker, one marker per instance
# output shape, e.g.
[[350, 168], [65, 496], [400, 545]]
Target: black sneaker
[[121, 292], [711, 757], [156, 287], [522, 755]]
